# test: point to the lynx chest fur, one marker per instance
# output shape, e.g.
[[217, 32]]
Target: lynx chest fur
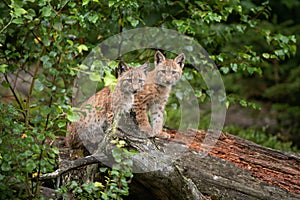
[[100, 109], [154, 96]]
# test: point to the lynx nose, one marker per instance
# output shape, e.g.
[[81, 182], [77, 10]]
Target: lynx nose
[[168, 81], [135, 89]]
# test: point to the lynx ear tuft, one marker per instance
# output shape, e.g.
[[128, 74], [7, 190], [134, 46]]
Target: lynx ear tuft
[[145, 67], [180, 60], [158, 58], [122, 67]]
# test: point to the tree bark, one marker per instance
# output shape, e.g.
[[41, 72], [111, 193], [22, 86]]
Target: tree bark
[[233, 169]]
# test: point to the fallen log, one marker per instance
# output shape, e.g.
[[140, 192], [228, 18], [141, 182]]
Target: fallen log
[[234, 168]]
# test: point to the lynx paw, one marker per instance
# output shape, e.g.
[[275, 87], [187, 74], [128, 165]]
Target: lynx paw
[[147, 129], [163, 135]]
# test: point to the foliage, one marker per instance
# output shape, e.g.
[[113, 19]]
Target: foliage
[[43, 44], [279, 82], [25, 155], [259, 136], [117, 178]]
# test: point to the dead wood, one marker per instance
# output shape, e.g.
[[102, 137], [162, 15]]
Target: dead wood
[[233, 169]]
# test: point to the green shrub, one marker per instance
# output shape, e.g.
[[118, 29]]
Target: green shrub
[[261, 137], [24, 155]]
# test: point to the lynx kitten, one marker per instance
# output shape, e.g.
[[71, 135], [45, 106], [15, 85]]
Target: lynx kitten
[[101, 108], [156, 92]]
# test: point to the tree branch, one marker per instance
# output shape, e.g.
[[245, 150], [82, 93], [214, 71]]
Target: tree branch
[[67, 165]]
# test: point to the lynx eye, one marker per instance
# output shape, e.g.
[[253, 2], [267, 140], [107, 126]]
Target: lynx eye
[[129, 80], [174, 72], [163, 71]]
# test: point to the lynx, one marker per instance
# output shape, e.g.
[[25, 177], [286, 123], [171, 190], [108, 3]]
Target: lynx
[[156, 92], [101, 108]]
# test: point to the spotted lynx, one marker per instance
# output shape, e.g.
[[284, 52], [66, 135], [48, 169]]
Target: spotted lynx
[[156, 92], [101, 108]]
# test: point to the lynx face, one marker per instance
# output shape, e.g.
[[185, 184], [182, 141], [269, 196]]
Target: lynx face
[[133, 79], [168, 71]]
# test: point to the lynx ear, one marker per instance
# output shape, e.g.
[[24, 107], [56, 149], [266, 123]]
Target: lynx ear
[[122, 67], [145, 67], [158, 58], [180, 60]]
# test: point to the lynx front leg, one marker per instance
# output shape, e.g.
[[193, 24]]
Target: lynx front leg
[[142, 119], [157, 113]]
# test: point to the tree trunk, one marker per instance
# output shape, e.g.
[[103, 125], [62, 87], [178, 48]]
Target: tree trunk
[[233, 169]]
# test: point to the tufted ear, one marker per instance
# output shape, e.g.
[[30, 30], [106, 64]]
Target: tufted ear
[[180, 60], [122, 67], [158, 58], [145, 67]]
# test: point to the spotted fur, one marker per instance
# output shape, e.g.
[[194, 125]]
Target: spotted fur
[[155, 93], [100, 109]]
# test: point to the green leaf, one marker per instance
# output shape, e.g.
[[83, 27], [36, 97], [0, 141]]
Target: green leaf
[[41, 137], [81, 48], [5, 84], [109, 79], [5, 167], [3, 68], [27, 153], [18, 21], [293, 49], [83, 67], [70, 42], [46, 40], [98, 184], [46, 11], [115, 173], [95, 77], [117, 154], [85, 2], [19, 12], [36, 148], [93, 18], [30, 165], [111, 3], [45, 58], [121, 144], [225, 70], [2, 177], [234, 67], [251, 70], [238, 9], [133, 22], [103, 169], [38, 86], [279, 52], [61, 124], [73, 117], [243, 103]]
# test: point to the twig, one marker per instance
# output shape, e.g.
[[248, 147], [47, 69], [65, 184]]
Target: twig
[[15, 95], [10, 21], [69, 165]]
